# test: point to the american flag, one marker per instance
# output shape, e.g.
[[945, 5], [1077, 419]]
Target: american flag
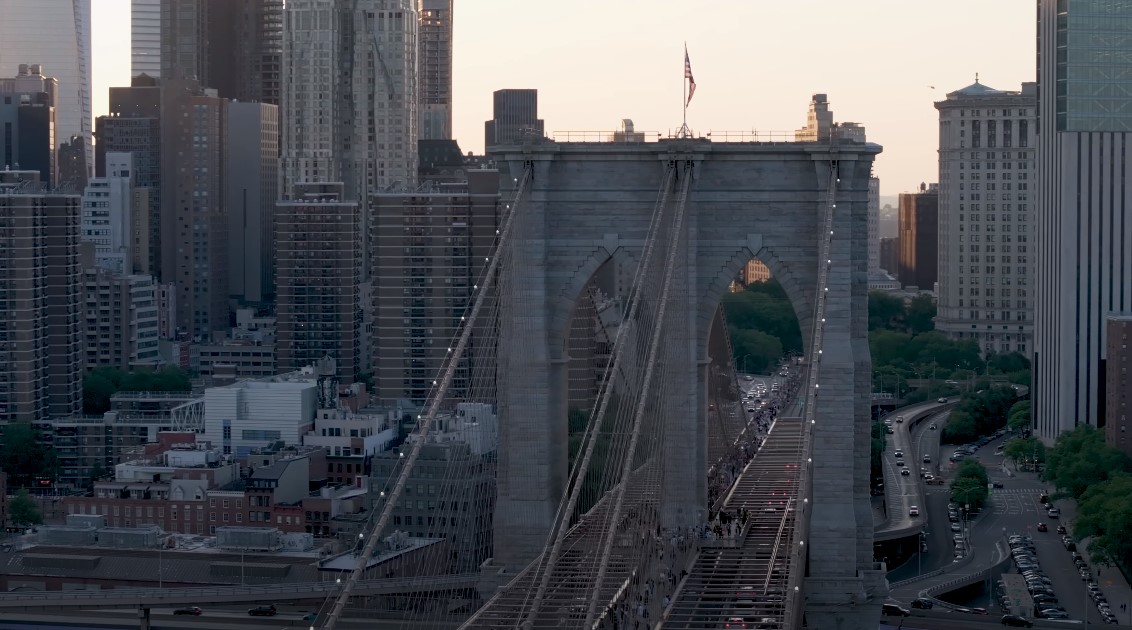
[[688, 76]]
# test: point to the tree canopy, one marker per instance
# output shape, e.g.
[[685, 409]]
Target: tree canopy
[[979, 414], [1080, 459], [23, 511], [1104, 513], [763, 325], [24, 457], [100, 384], [1025, 450]]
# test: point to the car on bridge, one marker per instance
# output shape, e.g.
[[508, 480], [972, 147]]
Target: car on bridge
[[263, 611], [894, 610], [1016, 621], [923, 603], [188, 610]]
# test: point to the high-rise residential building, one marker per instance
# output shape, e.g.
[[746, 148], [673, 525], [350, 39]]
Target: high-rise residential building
[[39, 251], [350, 94], [119, 320], [434, 59], [27, 123], [54, 34], [1082, 269], [109, 211], [987, 146], [72, 163], [134, 127], [194, 223], [918, 238], [145, 38], [514, 116], [428, 253], [1118, 384], [251, 178], [890, 255], [232, 46], [318, 240]]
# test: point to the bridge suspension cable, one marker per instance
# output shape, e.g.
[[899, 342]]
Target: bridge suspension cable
[[454, 364], [598, 413]]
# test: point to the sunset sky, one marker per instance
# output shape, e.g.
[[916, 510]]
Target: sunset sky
[[756, 64]]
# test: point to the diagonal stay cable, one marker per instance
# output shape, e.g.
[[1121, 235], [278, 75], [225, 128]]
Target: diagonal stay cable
[[425, 421], [598, 417], [650, 365]]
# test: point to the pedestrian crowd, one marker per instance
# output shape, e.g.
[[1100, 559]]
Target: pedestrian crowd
[[650, 590]]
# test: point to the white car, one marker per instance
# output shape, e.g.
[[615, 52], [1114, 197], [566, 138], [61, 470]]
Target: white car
[[914, 511]]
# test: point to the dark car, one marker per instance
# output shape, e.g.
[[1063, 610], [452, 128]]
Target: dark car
[[262, 611], [1042, 527], [892, 610], [923, 603], [188, 610], [1061, 529], [1016, 622]]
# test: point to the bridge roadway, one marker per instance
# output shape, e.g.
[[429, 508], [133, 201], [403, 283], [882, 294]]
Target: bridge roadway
[[902, 492], [299, 591], [566, 601], [749, 579]]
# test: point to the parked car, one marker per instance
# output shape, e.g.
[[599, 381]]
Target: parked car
[[262, 611], [1061, 529], [188, 610]]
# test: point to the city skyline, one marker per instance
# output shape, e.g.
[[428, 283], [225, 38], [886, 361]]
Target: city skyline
[[581, 89]]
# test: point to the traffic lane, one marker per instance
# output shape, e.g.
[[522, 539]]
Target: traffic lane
[[907, 485], [1057, 562], [940, 553], [927, 440]]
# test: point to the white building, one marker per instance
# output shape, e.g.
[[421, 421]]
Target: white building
[[255, 414], [107, 219], [362, 130], [344, 433], [145, 38], [987, 145], [56, 35], [475, 424]]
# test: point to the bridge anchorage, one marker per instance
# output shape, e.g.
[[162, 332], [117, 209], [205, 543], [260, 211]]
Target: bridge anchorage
[[601, 500]]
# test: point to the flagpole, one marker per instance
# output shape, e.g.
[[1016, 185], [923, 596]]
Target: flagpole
[[684, 85]]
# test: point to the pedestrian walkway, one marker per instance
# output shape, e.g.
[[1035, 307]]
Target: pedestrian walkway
[[1112, 582]]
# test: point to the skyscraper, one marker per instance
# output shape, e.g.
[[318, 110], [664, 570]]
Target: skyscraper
[[918, 234], [428, 252], [434, 58], [251, 177], [232, 46], [108, 215], [27, 123], [39, 249], [56, 35], [145, 38], [194, 223], [319, 240], [350, 94], [1083, 265], [987, 142], [514, 115]]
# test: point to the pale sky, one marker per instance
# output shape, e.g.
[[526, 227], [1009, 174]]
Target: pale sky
[[756, 64]]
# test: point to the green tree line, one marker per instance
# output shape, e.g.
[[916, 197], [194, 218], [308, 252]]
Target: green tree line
[[978, 414], [100, 384], [1082, 466], [763, 326]]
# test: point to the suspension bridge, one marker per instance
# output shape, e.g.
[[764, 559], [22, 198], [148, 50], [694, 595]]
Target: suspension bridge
[[613, 522], [583, 522]]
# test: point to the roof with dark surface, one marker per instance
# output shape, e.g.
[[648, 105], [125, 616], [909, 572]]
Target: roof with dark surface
[[143, 566]]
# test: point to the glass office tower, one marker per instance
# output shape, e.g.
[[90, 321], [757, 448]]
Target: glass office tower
[[1083, 234]]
